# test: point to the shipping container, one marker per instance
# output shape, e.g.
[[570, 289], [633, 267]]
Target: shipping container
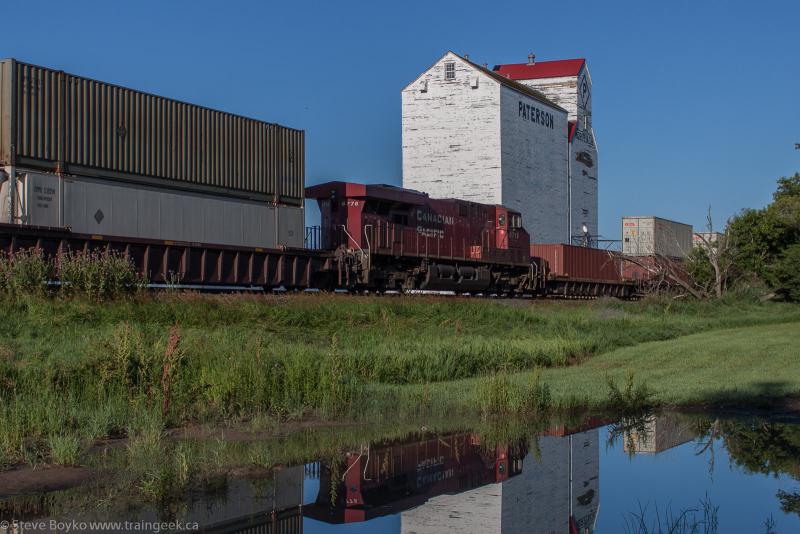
[[119, 209], [579, 263], [58, 122], [647, 236]]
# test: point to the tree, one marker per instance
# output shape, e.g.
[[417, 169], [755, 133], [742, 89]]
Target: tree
[[759, 243], [711, 261], [784, 274]]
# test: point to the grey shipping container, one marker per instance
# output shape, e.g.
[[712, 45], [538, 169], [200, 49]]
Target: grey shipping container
[[647, 236], [113, 208], [58, 122]]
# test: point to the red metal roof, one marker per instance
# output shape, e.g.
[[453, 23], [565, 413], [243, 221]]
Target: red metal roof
[[541, 69]]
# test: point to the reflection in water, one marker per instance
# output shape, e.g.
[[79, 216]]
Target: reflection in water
[[455, 483], [462, 482], [658, 433]]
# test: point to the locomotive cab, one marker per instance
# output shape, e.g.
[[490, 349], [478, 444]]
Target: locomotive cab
[[508, 224]]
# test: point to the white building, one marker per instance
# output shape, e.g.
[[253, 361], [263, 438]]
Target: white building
[[557, 491], [518, 135], [568, 84], [473, 134]]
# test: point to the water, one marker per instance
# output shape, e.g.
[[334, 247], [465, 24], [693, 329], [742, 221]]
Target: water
[[586, 477]]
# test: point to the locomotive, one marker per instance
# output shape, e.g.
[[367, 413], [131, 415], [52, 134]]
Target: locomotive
[[388, 238]]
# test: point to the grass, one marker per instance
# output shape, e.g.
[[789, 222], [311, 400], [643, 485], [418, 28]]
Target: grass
[[131, 366], [742, 365]]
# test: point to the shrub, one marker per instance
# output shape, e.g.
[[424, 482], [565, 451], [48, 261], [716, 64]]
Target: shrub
[[785, 273], [64, 449], [498, 396], [536, 398], [630, 400], [25, 272], [98, 275]]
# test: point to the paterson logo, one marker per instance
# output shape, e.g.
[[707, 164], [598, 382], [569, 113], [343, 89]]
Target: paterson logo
[[534, 114]]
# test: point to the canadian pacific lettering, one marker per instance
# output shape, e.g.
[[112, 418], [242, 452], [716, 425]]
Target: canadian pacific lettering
[[431, 217]]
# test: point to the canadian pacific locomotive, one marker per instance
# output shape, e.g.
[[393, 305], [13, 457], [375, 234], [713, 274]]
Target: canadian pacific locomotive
[[382, 237], [388, 238]]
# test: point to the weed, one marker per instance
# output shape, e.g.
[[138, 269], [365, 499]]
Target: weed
[[97, 275], [537, 399], [169, 367], [64, 449], [632, 399], [497, 395], [25, 272], [702, 520]]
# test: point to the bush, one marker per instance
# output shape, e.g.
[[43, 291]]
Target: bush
[[632, 399], [25, 272], [97, 275], [785, 273]]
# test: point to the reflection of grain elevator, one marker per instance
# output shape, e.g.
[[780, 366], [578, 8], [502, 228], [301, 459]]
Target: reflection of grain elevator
[[519, 135], [558, 490]]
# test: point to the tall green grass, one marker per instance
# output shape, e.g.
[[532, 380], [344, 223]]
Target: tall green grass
[[98, 275], [73, 366]]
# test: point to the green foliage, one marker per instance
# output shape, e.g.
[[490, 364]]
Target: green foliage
[[24, 272], [759, 237], [499, 396], [631, 399], [784, 273], [763, 242], [769, 448], [790, 501], [699, 268], [105, 370], [65, 449], [97, 275]]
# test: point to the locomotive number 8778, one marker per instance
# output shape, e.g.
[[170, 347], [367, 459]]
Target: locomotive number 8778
[[388, 238]]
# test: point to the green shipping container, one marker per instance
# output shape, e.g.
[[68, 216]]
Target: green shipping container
[[58, 122]]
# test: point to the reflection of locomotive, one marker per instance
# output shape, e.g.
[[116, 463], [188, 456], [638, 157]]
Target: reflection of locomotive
[[391, 477]]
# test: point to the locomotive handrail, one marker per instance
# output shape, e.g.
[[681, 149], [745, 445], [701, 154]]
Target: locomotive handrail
[[369, 245], [344, 229]]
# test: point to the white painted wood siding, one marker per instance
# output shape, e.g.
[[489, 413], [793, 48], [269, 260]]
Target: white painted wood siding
[[534, 167], [464, 138], [451, 134], [574, 93]]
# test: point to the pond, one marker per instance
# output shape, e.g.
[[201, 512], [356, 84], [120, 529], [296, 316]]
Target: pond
[[656, 473]]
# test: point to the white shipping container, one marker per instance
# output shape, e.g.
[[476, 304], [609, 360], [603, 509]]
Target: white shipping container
[[647, 236], [97, 206]]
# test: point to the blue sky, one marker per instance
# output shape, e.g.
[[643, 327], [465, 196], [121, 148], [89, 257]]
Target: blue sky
[[695, 103]]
